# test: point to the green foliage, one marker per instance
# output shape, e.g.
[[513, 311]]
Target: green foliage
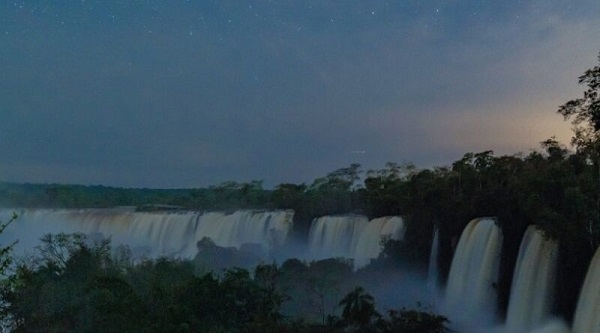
[[6, 258], [74, 285], [334, 193], [553, 188], [413, 321], [71, 286], [385, 189], [578, 226], [213, 258], [586, 111], [289, 196], [358, 307], [314, 288]]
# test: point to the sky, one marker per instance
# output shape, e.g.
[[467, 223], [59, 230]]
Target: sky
[[169, 94]]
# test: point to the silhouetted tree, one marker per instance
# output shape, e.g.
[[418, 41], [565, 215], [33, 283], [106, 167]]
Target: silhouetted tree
[[358, 307]]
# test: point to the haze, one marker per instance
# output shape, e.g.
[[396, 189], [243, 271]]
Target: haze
[[193, 93]]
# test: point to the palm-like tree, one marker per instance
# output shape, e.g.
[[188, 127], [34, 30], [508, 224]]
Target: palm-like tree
[[358, 307]]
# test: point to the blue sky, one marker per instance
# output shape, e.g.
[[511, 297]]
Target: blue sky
[[193, 93]]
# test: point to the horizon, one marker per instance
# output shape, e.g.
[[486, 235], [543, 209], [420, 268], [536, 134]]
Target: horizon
[[183, 95]]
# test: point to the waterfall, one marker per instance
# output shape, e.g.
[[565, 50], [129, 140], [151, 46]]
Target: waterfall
[[531, 294], [471, 294], [264, 228], [151, 233], [369, 244], [553, 326], [587, 319], [432, 273], [352, 236], [335, 236]]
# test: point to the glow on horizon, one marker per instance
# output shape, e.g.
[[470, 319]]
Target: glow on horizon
[[279, 91]]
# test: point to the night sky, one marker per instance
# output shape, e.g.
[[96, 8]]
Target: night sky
[[192, 93]]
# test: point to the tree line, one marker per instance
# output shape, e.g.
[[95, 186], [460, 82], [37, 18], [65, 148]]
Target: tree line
[[553, 187], [71, 284]]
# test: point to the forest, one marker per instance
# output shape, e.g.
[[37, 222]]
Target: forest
[[73, 285]]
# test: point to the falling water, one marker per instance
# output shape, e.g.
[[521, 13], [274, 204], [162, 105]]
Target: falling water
[[152, 233], [432, 274], [369, 243], [471, 294], [265, 228], [335, 236], [553, 326], [532, 288], [352, 236], [587, 319]]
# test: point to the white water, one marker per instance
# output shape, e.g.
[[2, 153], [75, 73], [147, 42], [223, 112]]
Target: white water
[[552, 326], [369, 244], [471, 295], [151, 233], [587, 318], [533, 283], [335, 236], [432, 273], [352, 236]]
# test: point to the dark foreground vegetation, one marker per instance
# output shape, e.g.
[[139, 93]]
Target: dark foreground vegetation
[[554, 188], [73, 285]]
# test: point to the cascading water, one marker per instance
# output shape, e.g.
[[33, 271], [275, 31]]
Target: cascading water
[[152, 234], [531, 294], [335, 236], [587, 319], [369, 244], [264, 228], [553, 326], [471, 294], [352, 236], [432, 273]]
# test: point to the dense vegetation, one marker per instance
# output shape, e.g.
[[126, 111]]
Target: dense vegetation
[[554, 188], [73, 285]]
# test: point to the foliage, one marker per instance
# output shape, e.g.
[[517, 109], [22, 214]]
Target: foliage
[[413, 321], [211, 257], [585, 112], [358, 307], [75, 285], [6, 258], [554, 188]]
